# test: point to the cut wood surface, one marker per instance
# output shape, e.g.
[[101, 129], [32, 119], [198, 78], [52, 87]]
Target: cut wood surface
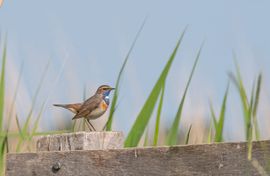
[[81, 141], [212, 159]]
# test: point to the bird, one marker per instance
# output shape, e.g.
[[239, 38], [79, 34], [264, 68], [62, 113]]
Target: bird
[[93, 108]]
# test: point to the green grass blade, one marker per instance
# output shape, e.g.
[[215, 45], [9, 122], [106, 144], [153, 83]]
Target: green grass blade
[[25, 134], [255, 107], [12, 109], [28, 119], [188, 134], [219, 130], [37, 121], [145, 142], [257, 96], [3, 146], [209, 137], [237, 80], [214, 118], [158, 115], [21, 134], [19, 145], [249, 125], [241, 87], [18, 126], [34, 130], [2, 87], [7, 142], [116, 91], [14, 98], [142, 120], [173, 133]]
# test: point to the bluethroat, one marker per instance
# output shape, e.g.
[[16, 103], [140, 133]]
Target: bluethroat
[[92, 108]]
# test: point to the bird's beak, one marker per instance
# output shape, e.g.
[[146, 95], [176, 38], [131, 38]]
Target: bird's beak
[[112, 88]]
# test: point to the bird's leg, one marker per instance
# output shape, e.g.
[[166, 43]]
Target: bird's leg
[[91, 125], [88, 125]]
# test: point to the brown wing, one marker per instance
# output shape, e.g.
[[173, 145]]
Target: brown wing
[[88, 106]]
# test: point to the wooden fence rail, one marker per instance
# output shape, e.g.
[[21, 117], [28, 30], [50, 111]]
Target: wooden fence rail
[[206, 159]]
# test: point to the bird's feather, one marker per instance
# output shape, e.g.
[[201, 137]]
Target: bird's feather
[[72, 107], [88, 106]]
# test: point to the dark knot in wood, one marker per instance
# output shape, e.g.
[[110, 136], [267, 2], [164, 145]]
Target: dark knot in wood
[[56, 167]]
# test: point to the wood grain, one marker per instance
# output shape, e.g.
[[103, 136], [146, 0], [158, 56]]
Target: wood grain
[[81, 141], [213, 159]]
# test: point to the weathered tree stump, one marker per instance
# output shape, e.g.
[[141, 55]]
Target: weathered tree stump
[[81, 141]]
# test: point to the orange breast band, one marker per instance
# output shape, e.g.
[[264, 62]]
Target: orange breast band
[[104, 106]]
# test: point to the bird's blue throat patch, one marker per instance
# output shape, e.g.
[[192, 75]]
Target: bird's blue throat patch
[[107, 100], [106, 97], [106, 93]]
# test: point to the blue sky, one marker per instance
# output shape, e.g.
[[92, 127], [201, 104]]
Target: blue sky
[[86, 42]]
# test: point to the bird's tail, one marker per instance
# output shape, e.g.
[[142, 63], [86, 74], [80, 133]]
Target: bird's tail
[[72, 107]]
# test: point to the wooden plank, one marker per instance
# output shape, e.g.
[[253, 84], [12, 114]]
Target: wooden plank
[[81, 141], [213, 159]]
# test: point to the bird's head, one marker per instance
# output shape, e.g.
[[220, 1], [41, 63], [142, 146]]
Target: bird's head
[[104, 90]]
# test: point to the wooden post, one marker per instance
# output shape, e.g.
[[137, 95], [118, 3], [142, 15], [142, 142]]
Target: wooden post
[[81, 141], [207, 159]]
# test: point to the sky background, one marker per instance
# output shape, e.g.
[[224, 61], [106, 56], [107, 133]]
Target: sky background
[[85, 43]]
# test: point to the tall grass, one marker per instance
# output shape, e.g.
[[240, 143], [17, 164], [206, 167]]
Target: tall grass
[[249, 105], [219, 123], [116, 91], [25, 132], [156, 134], [173, 132], [28, 130], [143, 118], [3, 139], [2, 87], [188, 134]]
